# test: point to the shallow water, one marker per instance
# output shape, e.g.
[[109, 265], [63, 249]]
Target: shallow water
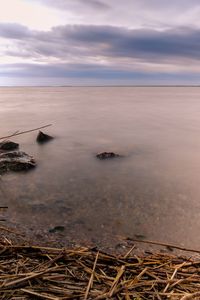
[[153, 191]]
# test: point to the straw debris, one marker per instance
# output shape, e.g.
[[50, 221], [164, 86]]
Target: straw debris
[[30, 272]]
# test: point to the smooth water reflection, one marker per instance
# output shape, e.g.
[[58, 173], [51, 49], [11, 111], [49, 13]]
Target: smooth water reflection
[[153, 191]]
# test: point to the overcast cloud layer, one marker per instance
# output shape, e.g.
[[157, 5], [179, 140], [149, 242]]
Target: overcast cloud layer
[[99, 42]]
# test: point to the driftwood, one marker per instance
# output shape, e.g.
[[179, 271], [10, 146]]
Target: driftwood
[[23, 132], [169, 246]]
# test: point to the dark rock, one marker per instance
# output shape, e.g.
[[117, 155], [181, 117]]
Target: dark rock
[[57, 228], [16, 161], [107, 155], [169, 248], [140, 236], [8, 146], [43, 137]]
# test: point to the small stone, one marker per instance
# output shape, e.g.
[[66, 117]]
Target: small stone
[[16, 161], [107, 155], [57, 228], [169, 248], [43, 137], [8, 146], [140, 236]]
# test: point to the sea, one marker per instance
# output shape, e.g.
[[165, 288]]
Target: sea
[[152, 192]]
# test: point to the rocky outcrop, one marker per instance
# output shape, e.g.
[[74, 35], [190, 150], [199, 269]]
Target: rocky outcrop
[[107, 155], [43, 137], [16, 161], [8, 146]]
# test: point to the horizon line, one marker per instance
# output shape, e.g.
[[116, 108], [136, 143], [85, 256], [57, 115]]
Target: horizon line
[[138, 85]]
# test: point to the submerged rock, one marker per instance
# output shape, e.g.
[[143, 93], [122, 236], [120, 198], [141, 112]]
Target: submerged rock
[[43, 137], [16, 161], [8, 146], [107, 155]]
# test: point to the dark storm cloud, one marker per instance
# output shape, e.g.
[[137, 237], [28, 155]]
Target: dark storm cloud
[[100, 39], [106, 41], [115, 41], [182, 43], [138, 43], [13, 31], [76, 51]]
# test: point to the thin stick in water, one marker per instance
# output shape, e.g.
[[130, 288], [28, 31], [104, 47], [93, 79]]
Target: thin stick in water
[[23, 132]]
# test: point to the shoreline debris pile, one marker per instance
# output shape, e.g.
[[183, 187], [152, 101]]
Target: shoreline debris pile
[[30, 272]]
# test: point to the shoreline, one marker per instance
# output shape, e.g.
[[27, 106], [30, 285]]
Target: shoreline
[[113, 244]]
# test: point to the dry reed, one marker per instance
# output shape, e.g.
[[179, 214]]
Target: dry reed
[[30, 272]]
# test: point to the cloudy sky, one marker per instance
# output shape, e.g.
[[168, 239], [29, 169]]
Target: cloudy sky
[[98, 42]]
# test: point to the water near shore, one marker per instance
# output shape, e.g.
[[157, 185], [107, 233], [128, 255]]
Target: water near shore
[[153, 191]]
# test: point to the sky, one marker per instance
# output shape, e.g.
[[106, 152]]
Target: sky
[[99, 42]]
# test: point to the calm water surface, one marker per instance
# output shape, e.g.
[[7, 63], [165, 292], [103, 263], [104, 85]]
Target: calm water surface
[[153, 191]]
